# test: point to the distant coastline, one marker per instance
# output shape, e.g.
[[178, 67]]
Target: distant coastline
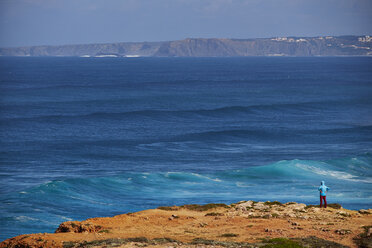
[[211, 47]]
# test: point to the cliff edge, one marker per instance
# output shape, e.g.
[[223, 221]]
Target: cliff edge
[[244, 224]]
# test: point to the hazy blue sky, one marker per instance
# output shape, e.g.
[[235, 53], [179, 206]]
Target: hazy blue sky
[[55, 22]]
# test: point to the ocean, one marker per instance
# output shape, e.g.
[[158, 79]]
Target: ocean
[[91, 137]]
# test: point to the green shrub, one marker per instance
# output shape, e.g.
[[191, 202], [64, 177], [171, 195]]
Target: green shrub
[[214, 214], [331, 205], [273, 203], [197, 207], [168, 208], [281, 243], [229, 235]]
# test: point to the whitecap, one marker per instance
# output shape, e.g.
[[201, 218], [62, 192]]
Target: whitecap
[[337, 174], [212, 179], [23, 218], [66, 218], [242, 185]]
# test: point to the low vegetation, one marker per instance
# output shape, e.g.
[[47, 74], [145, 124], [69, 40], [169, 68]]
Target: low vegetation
[[364, 240], [264, 243], [197, 207], [168, 208], [229, 235], [268, 203], [214, 214], [331, 205], [281, 243]]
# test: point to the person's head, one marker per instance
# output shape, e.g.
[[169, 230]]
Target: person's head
[[322, 183]]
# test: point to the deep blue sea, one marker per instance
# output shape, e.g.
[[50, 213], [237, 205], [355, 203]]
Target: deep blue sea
[[90, 137]]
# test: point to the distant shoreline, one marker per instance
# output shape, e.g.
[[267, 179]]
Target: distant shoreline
[[124, 57], [346, 45]]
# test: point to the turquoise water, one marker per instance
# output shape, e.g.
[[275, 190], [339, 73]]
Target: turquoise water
[[89, 137]]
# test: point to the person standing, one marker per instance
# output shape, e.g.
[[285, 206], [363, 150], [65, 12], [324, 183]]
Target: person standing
[[323, 189]]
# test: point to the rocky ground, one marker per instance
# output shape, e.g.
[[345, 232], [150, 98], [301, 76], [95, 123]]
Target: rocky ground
[[244, 224]]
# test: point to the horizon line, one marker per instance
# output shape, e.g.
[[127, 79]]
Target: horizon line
[[201, 38]]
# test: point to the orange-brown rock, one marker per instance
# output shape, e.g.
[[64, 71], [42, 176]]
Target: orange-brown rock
[[244, 222]]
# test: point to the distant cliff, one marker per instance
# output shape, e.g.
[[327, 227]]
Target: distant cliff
[[198, 47]]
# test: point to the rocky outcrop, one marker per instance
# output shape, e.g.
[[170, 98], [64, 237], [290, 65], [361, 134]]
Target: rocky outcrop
[[78, 227], [243, 224], [268, 209]]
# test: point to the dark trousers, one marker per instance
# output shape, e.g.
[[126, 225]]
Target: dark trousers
[[323, 198]]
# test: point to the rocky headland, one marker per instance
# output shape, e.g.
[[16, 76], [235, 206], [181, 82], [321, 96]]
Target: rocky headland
[[244, 224]]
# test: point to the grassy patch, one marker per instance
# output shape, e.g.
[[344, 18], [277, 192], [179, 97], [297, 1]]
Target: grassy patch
[[197, 207], [68, 244], [313, 241], [363, 240], [214, 214], [334, 205], [168, 208], [229, 235], [104, 231], [281, 243], [331, 205], [138, 239], [266, 243], [201, 241], [268, 203], [271, 243], [164, 240], [117, 242]]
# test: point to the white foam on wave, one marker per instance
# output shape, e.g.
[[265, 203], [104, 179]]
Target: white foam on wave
[[85, 199], [201, 176], [106, 56], [23, 218], [336, 174], [193, 174], [242, 185], [66, 218]]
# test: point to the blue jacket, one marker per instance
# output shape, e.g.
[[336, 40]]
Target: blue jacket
[[323, 189]]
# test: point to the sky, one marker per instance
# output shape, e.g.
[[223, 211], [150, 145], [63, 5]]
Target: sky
[[59, 22]]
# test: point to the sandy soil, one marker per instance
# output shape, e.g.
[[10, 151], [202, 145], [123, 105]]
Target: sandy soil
[[247, 222]]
